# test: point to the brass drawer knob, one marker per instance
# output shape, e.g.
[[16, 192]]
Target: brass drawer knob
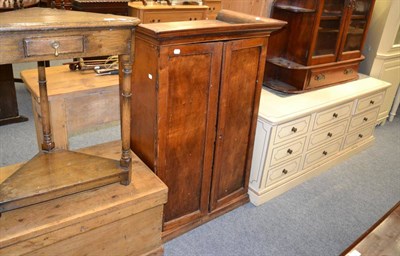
[[372, 102], [284, 171], [335, 115], [55, 46], [360, 135], [324, 153], [319, 77], [365, 119], [289, 151], [294, 129], [329, 134], [348, 71]]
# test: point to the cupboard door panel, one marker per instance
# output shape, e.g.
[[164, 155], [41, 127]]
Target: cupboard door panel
[[238, 107], [188, 91]]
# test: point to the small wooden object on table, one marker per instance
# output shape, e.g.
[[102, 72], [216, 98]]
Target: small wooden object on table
[[197, 86], [321, 45], [72, 93], [40, 34], [111, 220], [155, 13]]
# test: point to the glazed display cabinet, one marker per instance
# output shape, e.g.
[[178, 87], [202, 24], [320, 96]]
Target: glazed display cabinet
[[320, 46]]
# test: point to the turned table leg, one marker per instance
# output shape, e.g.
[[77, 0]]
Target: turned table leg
[[47, 143], [125, 102]]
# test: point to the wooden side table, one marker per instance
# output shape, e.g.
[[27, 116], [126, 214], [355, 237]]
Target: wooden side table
[[72, 93], [40, 34]]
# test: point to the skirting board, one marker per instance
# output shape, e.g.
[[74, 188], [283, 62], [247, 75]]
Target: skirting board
[[258, 199]]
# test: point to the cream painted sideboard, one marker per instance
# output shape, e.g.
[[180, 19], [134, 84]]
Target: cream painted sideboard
[[300, 136]]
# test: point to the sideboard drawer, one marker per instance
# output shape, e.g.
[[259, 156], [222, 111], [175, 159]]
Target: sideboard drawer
[[321, 154], [332, 115], [288, 151], [369, 102], [41, 46], [326, 76], [359, 135], [292, 129], [283, 171], [363, 118], [327, 135]]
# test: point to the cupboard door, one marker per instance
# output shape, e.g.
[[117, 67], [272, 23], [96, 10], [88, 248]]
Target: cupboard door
[[188, 94], [328, 32], [242, 75], [358, 18]]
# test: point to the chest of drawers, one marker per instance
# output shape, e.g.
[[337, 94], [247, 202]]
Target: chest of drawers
[[299, 136]]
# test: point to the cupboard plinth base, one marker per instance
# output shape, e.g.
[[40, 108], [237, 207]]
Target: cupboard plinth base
[[13, 120], [170, 234]]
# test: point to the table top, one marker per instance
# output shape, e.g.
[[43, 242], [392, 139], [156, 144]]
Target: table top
[[54, 19], [277, 107]]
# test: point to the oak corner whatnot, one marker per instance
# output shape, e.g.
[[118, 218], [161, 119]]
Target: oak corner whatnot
[[41, 34]]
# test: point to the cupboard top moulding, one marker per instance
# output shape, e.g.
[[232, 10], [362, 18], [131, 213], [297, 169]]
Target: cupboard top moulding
[[41, 34], [320, 46], [228, 25]]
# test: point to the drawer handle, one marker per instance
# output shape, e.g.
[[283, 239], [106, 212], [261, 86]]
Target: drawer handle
[[348, 71], [365, 119], [360, 135], [319, 77], [329, 134], [153, 21], [335, 115], [284, 171], [289, 151], [190, 18], [372, 102], [55, 46], [324, 153], [294, 129], [158, 20]]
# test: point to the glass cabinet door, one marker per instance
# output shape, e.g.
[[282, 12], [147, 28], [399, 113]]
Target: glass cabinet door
[[329, 30], [359, 13]]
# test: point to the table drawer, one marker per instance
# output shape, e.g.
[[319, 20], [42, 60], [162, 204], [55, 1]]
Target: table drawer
[[369, 102], [288, 151], [322, 77], [292, 129], [323, 153], [42, 46], [359, 135], [283, 171], [327, 135], [363, 119], [332, 115]]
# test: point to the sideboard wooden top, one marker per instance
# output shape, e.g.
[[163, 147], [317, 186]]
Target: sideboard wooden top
[[227, 22], [53, 19], [277, 107]]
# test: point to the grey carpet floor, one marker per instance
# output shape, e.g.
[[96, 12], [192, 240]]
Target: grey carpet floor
[[319, 217]]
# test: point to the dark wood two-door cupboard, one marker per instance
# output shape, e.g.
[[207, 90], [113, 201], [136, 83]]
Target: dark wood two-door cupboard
[[196, 88]]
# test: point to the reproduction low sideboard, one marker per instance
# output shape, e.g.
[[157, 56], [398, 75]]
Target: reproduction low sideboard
[[299, 136]]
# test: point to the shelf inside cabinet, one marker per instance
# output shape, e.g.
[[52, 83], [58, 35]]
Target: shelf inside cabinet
[[294, 9], [358, 17]]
